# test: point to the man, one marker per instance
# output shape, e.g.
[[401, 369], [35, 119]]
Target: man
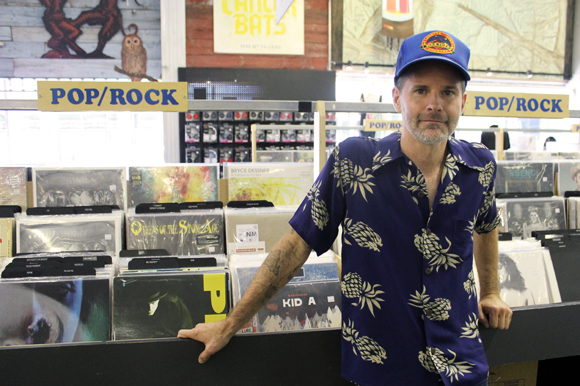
[[409, 205]]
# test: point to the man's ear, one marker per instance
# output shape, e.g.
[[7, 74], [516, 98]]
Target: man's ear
[[463, 102], [397, 99]]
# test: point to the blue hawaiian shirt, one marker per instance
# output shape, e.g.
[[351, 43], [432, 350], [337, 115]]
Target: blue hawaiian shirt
[[410, 309]]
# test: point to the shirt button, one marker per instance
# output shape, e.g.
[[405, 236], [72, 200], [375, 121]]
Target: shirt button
[[428, 231], [428, 313], [428, 271], [421, 195]]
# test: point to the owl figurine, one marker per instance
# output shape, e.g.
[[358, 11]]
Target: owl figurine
[[134, 56]]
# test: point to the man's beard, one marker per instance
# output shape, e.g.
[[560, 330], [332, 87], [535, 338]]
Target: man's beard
[[433, 133]]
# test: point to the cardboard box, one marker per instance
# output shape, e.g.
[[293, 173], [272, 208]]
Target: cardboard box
[[515, 374]]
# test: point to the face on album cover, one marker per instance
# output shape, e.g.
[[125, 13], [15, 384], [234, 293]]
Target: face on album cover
[[159, 306], [165, 184], [80, 187], [569, 177], [524, 216], [73, 236], [57, 311], [523, 280], [524, 177]]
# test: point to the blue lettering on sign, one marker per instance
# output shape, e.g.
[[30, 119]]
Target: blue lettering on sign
[[479, 100], [57, 93], [117, 96], [150, 100], [167, 96], [491, 103], [503, 101], [522, 104], [80, 96], [92, 93], [532, 105], [134, 96]]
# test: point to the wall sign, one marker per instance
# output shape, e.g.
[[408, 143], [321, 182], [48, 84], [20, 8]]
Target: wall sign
[[250, 27], [112, 96], [382, 125], [492, 104]]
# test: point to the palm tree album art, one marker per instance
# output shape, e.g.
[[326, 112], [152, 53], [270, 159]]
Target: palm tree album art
[[283, 184]]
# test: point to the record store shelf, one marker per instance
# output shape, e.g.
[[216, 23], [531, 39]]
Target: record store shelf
[[301, 358]]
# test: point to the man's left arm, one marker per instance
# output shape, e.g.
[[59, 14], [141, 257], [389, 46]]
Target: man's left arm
[[493, 312]]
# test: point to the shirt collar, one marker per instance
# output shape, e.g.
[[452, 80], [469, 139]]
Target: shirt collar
[[389, 149]]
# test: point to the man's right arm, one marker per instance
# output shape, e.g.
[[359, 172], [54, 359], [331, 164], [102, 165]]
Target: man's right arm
[[283, 262]]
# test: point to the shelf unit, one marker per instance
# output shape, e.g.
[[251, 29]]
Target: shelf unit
[[543, 333]]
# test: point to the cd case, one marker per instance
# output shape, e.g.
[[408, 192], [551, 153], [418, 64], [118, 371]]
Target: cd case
[[196, 232], [164, 184], [13, 189], [568, 177], [6, 237], [158, 305], [280, 183], [79, 187], [524, 177], [54, 310]]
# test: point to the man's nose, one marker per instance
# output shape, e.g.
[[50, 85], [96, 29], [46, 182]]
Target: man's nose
[[434, 102]]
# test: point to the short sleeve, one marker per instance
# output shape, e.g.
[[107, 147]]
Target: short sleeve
[[487, 217], [319, 216]]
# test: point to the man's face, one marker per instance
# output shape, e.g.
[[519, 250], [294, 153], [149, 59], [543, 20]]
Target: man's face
[[430, 101]]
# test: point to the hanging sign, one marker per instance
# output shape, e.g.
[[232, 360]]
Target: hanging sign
[[112, 96], [496, 104], [382, 125], [258, 26]]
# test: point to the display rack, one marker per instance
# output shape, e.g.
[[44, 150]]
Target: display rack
[[299, 358], [544, 333]]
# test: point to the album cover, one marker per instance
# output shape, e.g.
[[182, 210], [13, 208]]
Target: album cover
[[573, 212], [280, 183], [523, 278], [159, 305], [524, 177], [568, 177], [566, 267], [312, 299], [524, 215], [185, 233], [275, 155], [191, 183], [305, 306], [13, 186], [79, 186], [55, 310], [6, 237], [254, 225], [81, 232], [529, 155]]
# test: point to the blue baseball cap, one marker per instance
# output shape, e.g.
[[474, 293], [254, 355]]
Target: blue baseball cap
[[433, 45]]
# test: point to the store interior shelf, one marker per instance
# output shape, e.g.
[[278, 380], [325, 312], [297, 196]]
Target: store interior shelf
[[306, 357], [18, 104]]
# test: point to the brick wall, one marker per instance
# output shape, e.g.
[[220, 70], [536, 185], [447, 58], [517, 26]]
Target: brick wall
[[199, 19]]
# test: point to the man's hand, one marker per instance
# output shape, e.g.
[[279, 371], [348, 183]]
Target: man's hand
[[494, 313], [214, 335]]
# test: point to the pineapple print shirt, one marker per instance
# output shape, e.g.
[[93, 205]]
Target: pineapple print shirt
[[409, 302]]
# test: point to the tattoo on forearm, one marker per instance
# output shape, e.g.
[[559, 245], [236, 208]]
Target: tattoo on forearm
[[273, 262], [270, 292]]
